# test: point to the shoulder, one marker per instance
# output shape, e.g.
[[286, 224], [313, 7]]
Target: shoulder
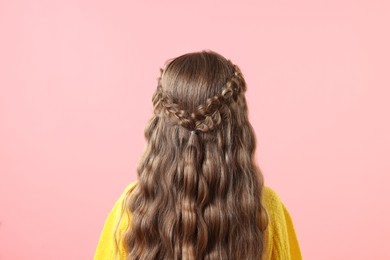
[[270, 198], [117, 220], [282, 237], [118, 208], [274, 208], [129, 187]]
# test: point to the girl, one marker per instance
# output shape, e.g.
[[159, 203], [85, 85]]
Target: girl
[[199, 193]]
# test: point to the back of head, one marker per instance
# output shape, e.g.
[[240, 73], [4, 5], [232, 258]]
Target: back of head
[[199, 188]]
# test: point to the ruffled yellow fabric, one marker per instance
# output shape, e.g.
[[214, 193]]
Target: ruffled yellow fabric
[[280, 236]]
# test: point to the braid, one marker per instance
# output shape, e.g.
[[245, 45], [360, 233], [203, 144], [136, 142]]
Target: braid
[[207, 116]]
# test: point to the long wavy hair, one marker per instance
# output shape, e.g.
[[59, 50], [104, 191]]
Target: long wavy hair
[[198, 194]]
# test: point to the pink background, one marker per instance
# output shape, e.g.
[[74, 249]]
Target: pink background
[[76, 79]]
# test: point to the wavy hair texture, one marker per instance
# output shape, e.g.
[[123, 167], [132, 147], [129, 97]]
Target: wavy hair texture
[[199, 189]]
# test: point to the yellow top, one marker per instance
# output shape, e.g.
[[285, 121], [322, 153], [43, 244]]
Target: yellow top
[[280, 231]]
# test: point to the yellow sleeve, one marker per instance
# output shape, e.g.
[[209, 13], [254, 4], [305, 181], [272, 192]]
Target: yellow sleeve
[[293, 243], [106, 246], [282, 242]]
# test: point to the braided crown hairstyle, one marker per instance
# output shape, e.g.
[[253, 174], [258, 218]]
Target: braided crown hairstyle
[[199, 189]]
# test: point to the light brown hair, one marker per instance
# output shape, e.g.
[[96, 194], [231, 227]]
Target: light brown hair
[[199, 188]]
